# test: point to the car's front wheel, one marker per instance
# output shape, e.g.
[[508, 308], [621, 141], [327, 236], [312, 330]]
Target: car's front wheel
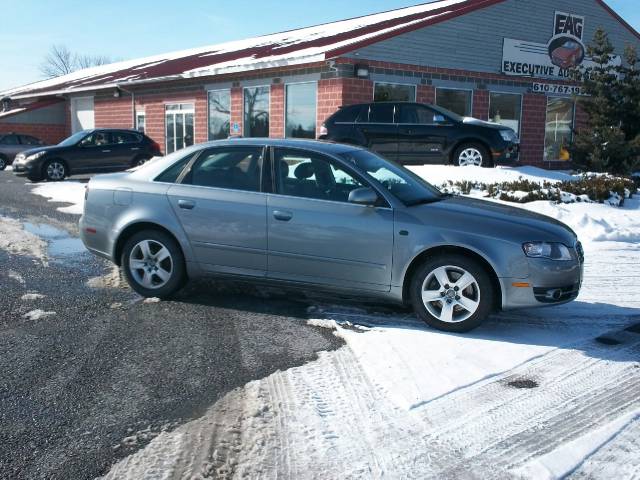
[[153, 264], [55, 170], [452, 293], [471, 154]]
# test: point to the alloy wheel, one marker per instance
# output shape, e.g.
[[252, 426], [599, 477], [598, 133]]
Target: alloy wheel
[[470, 156], [451, 294], [151, 264], [55, 171]]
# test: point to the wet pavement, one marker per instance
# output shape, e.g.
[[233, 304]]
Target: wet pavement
[[90, 373]]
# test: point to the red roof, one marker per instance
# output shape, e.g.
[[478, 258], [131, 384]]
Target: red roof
[[311, 44]]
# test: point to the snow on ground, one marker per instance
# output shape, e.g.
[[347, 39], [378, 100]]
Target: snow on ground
[[439, 174], [63, 192], [15, 239], [37, 314], [539, 393], [29, 297], [8, 168]]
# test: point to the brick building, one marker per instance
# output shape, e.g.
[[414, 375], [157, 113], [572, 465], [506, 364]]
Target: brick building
[[499, 60]]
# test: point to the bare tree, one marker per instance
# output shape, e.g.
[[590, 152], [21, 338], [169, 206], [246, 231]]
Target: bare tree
[[61, 61]]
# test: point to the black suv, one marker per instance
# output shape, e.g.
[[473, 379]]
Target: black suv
[[415, 133], [88, 151]]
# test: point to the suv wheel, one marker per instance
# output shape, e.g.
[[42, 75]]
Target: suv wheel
[[452, 293], [136, 162], [471, 154], [153, 264], [3, 163], [55, 170]]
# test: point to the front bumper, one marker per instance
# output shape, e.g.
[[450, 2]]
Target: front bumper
[[550, 282], [509, 155], [23, 169]]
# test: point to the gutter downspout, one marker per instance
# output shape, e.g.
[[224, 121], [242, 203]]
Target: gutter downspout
[[133, 105]]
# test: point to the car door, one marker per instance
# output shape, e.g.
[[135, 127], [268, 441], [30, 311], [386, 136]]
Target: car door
[[94, 153], [10, 146], [315, 235], [222, 210], [423, 134], [126, 146], [379, 130]]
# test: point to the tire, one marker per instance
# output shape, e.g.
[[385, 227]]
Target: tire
[[147, 280], [477, 296], [55, 170], [472, 154], [3, 163], [136, 162]]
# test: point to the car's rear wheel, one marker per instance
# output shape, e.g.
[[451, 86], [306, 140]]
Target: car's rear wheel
[[452, 293], [3, 163], [472, 154], [153, 264], [136, 162], [55, 170]]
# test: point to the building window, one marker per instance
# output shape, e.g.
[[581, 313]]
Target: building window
[[301, 110], [219, 114], [394, 92], [141, 121], [256, 112], [179, 123], [504, 108], [558, 128], [457, 101]]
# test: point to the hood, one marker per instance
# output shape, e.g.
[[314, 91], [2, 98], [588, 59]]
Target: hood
[[47, 149], [483, 123], [492, 217]]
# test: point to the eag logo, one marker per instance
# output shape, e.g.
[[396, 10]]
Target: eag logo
[[567, 24]]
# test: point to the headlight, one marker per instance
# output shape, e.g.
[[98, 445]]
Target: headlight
[[508, 135], [35, 156], [20, 158], [553, 251]]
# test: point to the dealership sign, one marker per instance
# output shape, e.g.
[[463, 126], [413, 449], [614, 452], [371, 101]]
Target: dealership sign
[[564, 51]]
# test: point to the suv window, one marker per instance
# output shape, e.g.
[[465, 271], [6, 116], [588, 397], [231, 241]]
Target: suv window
[[96, 139], [347, 114], [311, 175], [381, 113], [416, 114], [9, 140], [29, 140], [236, 168], [125, 137]]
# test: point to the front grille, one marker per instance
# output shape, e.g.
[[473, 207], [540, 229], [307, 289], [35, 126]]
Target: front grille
[[556, 294], [580, 252]]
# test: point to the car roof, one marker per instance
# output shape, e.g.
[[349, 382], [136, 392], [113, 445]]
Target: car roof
[[321, 146]]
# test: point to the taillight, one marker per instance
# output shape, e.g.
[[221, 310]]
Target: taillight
[[155, 146], [323, 130]]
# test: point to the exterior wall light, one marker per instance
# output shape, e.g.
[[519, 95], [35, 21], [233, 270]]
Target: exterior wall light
[[362, 71]]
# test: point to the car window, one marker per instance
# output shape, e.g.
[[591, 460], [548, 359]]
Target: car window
[[381, 113], [417, 114], [311, 175], [10, 140], [125, 137], [347, 114], [96, 139], [236, 168], [171, 174], [29, 140]]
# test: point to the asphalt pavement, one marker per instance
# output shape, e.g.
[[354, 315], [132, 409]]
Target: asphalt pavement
[[96, 373]]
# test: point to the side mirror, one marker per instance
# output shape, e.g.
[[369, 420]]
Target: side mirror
[[363, 196], [439, 118]]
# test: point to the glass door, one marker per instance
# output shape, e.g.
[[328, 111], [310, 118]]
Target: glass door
[[179, 123]]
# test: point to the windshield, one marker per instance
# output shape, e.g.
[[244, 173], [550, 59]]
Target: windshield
[[73, 139], [447, 113], [405, 185]]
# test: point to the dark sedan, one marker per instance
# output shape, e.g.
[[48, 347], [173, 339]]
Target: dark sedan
[[88, 151], [12, 144], [415, 133]]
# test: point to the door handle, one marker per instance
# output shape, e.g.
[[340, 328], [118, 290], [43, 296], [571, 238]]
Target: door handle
[[106, 151], [186, 204], [135, 148], [283, 216]]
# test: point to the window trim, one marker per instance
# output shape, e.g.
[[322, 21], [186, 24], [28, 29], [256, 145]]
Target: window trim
[[508, 93], [209, 110], [187, 169], [435, 98], [344, 165], [573, 124], [192, 111], [382, 82], [286, 100], [139, 114], [244, 122]]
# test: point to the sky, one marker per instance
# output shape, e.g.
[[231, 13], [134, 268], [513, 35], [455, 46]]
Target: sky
[[137, 28]]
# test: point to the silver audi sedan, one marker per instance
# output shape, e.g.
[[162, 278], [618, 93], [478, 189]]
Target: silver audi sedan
[[325, 215]]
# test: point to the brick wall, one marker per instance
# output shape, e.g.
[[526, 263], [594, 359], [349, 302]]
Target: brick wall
[[480, 107], [276, 111], [237, 110], [48, 133], [113, 112], [534, 109]]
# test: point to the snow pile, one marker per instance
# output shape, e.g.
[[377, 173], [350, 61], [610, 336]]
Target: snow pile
[[441, 174], [37, 314], [63, 192], [29, 297]]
